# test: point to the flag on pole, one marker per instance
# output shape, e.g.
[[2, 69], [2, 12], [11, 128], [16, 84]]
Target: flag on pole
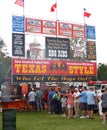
[[20, 2], [86, 14], [53, 7]]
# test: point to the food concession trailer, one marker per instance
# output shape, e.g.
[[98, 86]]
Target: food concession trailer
[[14, 95]]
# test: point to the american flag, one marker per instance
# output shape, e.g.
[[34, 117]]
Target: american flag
[[20, 2]]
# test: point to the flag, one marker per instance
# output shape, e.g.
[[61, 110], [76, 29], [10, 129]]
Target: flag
[[86, 14], [20, 2], [53, 7]]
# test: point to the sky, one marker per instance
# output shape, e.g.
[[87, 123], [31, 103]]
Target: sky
[[67, 11]]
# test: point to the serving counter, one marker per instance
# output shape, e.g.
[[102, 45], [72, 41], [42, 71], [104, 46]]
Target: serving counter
[[18, 105]]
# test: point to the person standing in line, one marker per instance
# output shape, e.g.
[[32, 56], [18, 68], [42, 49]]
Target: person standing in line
[[57, 102], [64, 105], [39, 95], [104, 104], [83, 102], [91, 97], [76, 101], [50, 98], [70, 103], [45, 99], [99, 104], [31, 100]]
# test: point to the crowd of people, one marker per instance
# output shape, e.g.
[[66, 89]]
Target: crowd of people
[[70, 103]]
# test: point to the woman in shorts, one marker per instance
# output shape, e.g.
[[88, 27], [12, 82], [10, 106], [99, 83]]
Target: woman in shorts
[[70, 103]]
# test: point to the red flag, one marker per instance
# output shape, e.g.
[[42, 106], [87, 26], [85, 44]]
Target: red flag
[[53, 8], [86, 14], [20, 2]]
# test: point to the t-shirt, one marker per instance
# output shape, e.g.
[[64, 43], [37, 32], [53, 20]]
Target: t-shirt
[[31, 96], [83, 96], [76, 94], [57, 96], [104, 99], [63, 101], [99, 96], [39, 94], [91, 97], [50, 95]]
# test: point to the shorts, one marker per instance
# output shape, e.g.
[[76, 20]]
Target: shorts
[[91, 107], [104, 110], [31, 103], [69, 106], [83, 106], [63, 109]]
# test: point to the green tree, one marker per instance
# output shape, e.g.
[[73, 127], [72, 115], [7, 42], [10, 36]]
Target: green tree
[[5, 62], [102, 72]]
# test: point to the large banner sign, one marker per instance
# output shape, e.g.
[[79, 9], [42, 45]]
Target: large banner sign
[[41, 26], [18, 44], [69, 30], [17, 24], [91, 50], [24, 70], [78, 49], [65, 29], [90, 32], [57, 47], [78, 31], [33, 25]]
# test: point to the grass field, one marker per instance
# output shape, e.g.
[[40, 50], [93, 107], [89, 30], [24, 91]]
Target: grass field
[[45, 121]]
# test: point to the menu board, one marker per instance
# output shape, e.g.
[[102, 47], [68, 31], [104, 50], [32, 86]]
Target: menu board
[[18, 44], [57, 47]]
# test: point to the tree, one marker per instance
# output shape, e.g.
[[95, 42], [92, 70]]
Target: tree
[[102, 72], [5, 62]]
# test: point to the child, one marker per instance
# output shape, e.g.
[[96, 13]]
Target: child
[[63, 105]]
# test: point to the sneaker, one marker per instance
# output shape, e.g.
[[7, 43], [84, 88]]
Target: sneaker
[[74, 116], [87, 116], [62, 115], [103, 122], [82, 117]]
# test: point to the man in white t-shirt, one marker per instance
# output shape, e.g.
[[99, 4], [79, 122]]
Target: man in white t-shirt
[[32, 99]]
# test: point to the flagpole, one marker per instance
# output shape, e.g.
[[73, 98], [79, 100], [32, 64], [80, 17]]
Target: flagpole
[[56, 19], [84, 27], [54, 9], [24, 23], [24, 14], [83, 15]]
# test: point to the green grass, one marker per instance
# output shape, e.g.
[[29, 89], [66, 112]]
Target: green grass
[[45, 121]]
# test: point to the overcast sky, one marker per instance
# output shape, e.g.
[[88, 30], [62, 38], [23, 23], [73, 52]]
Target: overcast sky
[[67, 10]]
